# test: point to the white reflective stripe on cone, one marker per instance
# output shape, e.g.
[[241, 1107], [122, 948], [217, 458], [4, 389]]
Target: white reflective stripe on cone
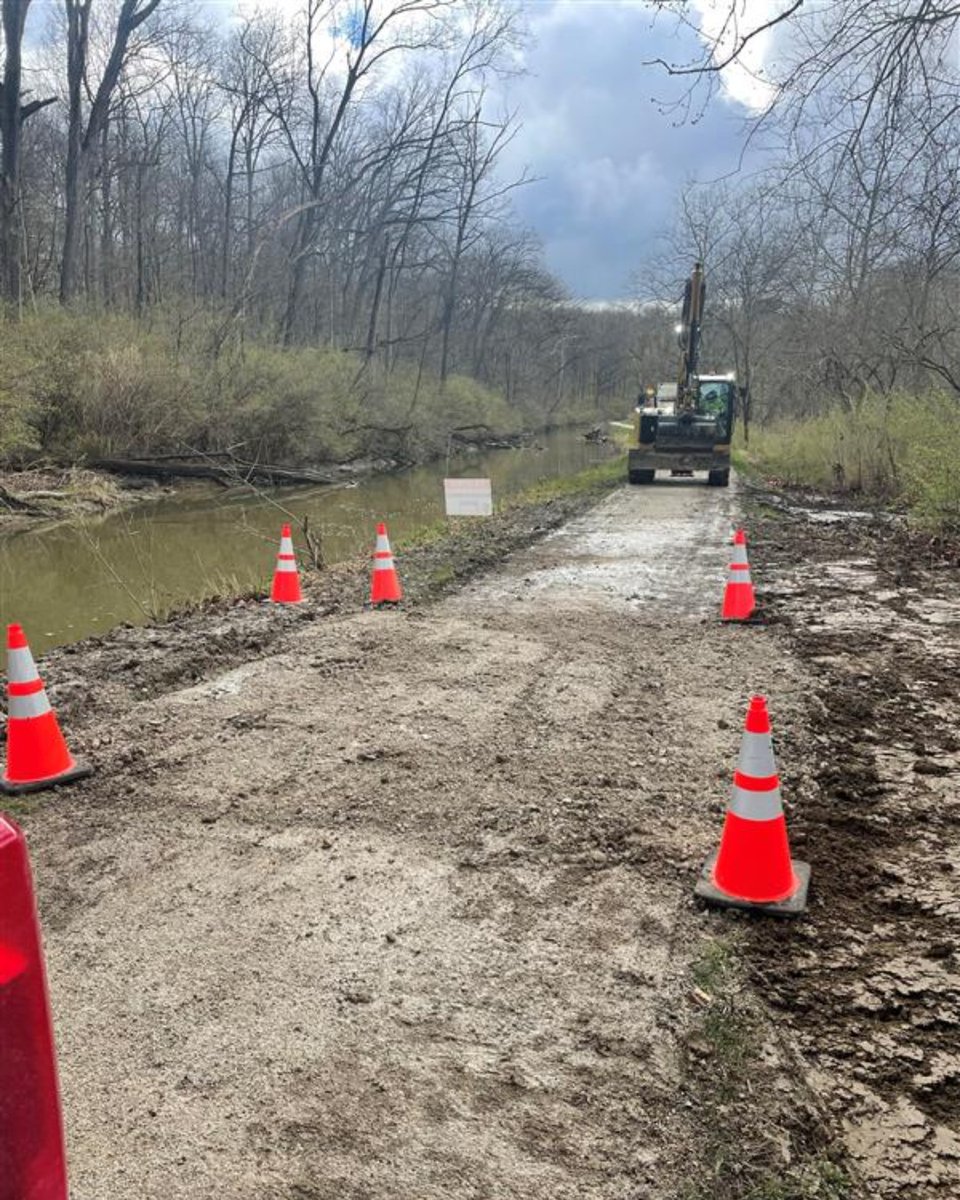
[[756, 756], [383, 542], [20, 666], [738, 574], [739, 555], [286, 565], [286, 545], [22, 708], [383, 564], [755, 806]]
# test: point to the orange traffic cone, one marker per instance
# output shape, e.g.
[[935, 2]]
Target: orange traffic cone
[[753, 868], [739, 600], [286, 581], [385, 584], [37, 755]]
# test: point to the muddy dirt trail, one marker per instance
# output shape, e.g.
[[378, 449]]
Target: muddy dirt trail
[[404, 908], [870, 987]]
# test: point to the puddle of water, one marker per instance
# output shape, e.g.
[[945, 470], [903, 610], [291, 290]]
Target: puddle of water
[[836, 516], [84, 577]]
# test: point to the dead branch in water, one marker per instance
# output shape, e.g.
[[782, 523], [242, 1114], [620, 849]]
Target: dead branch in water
[[244, 474], [231, 471], [16, 504]]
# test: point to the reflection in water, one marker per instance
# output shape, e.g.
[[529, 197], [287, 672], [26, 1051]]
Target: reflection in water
[[84, 577]]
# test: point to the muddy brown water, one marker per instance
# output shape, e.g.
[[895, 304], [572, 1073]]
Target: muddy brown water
[[78, 578]]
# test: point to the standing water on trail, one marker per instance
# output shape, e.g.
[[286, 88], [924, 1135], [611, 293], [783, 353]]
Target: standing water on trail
[[83, 577]]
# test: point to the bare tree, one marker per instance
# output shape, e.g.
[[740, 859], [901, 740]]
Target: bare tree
[[85, 124], [476, 201], [837, 62], [370, 39], [334, 177], [250, 64], [13, 113]]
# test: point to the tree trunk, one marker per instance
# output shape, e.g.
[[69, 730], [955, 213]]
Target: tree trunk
[[78, 27], [81, 141], [11, 127], [449, 308], [371, 345], [228, 213], [107, 264], [141, 296], [298, 277]]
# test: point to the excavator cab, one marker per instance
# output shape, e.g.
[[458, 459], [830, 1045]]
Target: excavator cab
[[717, 398]]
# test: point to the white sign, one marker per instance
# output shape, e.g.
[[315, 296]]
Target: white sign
[[468, 497]]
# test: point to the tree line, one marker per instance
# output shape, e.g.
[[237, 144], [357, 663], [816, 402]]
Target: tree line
[[332, 178], [834, 265]]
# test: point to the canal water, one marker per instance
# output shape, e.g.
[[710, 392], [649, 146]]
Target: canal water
[[83, 577]]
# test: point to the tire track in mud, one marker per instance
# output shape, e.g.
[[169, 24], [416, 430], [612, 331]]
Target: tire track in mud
[[870, 983]]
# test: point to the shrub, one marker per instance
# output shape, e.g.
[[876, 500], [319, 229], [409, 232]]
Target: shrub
[[896, 447], [107, 385], [929, 432], [283, 406]]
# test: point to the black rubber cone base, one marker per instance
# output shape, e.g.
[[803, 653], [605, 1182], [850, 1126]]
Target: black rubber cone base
[[755, 618], [79, 771], [793, 906]]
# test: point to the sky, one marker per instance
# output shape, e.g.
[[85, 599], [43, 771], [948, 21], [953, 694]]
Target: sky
[[610, 151]]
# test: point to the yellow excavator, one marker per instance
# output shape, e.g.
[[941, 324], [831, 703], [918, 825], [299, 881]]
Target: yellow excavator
[[688, 427]]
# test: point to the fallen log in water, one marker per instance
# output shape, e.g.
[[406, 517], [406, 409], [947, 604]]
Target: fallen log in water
[[237, 471]]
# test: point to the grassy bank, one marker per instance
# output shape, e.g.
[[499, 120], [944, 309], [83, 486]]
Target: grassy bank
[[896, 449], [76, 386], [583, 488]]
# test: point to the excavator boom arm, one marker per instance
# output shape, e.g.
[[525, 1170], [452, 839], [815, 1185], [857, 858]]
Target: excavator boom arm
[[689, 337]]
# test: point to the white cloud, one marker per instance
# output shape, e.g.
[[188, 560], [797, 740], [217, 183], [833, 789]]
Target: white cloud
[[605, 189], [290, 8], [334, 26], [724, 23]]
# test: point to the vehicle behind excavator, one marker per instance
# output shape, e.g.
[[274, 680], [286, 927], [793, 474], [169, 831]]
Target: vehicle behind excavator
[[687, 426]]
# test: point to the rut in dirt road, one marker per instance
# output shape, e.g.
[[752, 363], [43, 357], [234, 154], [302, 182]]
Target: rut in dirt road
[[405, 908]]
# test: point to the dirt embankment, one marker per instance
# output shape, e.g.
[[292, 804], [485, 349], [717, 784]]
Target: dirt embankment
[[869, 986]]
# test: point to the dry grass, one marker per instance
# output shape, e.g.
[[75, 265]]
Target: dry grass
[[63, 492], [899, 448]]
